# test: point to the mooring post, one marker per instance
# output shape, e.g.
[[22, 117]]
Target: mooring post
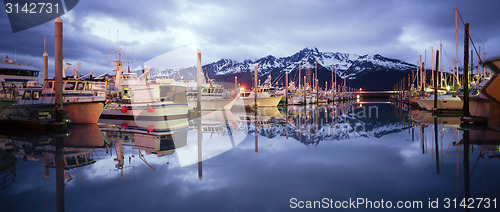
[[58, 83], [436, 81], [198, 84], [256, 87], [466, 71], [286, 89]]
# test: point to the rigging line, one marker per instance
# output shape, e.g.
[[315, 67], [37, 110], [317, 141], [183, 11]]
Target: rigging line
[[452, 65], [470, 38], [278, 78]]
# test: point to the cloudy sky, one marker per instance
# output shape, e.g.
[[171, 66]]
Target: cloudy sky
[[250, 29]]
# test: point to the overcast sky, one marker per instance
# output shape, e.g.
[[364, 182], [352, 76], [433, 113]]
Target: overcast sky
[[250, 29]]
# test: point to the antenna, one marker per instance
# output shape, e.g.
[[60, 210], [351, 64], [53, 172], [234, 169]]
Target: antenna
[[44, 44]]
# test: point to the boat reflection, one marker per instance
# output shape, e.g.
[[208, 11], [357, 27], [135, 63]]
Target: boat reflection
[[449, 137], [183, 141], [76, 147]]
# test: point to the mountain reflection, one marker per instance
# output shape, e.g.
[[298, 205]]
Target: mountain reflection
[[313, 124]]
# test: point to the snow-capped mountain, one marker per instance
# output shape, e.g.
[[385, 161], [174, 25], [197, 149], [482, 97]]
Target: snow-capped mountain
[[352, 66]]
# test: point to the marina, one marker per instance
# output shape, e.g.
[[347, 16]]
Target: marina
[[129, 131]]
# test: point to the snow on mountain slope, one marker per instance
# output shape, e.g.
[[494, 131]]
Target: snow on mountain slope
[[350, 64]]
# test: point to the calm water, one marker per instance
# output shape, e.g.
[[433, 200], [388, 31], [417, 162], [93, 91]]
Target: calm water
[[374, 151]]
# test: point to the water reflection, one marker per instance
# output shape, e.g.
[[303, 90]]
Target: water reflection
[[63, 151], [340, 151], [465, 142]]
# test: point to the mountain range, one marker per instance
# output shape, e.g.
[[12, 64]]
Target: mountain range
[[370, 72]]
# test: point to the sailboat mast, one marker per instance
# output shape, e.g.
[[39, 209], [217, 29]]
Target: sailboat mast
[[456, 43], [417, 85], [332, 77], [441, 63], [425, 68], [315, 74], [335, 80], [432, 67], [479, 61], [299, 76]]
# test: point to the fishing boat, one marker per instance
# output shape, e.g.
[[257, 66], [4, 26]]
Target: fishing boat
[[491, 90], [479, 104], [267, 96], [264, 98], [444, 102], [13, 76], [213, 96], [81, 103], [134, 99]]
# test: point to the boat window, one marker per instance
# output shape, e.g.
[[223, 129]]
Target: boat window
[[36, 95], [80, 86], [26, 95], [166, 93], [70, 86], [48, 85], [180, 95]]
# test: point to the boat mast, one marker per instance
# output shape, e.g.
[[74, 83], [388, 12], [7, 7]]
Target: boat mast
[[335, 81], [456, 44], [332, 77], [479, 61], [425, 68], [441, 64], [45, 63], [299, 77], [316, 74], [432, 67]]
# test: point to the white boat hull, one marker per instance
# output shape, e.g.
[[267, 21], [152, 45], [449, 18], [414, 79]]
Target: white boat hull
[[156, 111], [443, 103], [261, 101]]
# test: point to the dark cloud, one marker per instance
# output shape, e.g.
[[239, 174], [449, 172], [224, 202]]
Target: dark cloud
[[252, 29]]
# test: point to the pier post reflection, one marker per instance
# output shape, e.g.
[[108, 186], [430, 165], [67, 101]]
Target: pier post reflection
[[436, 142], [200, 156], [466, 168], [256, 132], [59, 160], [286, 121]]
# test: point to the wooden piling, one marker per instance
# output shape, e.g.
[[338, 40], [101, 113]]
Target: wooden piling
[[436, 83], [255, 86], [304, 91], [58, 63], [198, 84], [236, 89], [466, 71], [45, 62], [286, 89]]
